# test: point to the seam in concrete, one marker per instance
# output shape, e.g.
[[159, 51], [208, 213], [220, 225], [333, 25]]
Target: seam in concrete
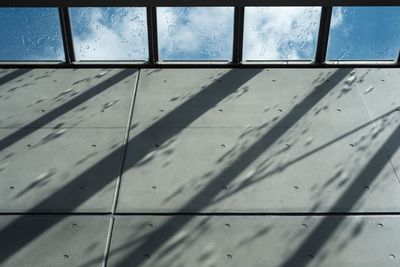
[[121, 169], [78, 213], [260, 214], [68, 127], [375, 126]]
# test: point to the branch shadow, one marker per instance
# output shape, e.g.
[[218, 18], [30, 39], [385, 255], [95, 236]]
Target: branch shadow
[[234, 78], [293, 161], [211, 190], [64, 108], [151, 242], [327, 227]]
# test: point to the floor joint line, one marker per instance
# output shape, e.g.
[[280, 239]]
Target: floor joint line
[[121, 169], [375, 126]]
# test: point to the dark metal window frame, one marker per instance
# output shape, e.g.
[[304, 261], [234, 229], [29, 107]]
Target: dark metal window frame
[[239, 10]]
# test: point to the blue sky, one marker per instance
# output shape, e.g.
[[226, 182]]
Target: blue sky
[[366, 33], [30, 34], [201, 33]]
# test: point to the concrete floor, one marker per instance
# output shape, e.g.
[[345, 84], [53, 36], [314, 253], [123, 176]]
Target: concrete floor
[[205, 167]]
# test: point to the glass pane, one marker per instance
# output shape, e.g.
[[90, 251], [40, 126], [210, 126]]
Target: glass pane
[[364, 33], [280, 33], [109, 33], [195, 33], [30, 34]]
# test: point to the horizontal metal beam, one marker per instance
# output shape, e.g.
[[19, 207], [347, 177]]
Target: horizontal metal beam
[[152, 3], [186, 65]]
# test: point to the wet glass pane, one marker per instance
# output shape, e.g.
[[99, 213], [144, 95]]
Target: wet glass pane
[[280, 33], [30, 34], [109, 33], [195, 33], [364, 33]]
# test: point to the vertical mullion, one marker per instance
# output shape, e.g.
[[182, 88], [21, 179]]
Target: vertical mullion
[[323, 34], [398, 58], [238, 28], [66, 32], [152, 34]]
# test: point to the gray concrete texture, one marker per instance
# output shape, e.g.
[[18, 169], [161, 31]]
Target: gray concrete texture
[[253, 241], [228, 146], [258, 141], [73, 241]]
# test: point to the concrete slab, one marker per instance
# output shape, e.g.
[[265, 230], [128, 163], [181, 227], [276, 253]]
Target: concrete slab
[[8, 75], [320, 155], [59, 170], [201, 141], [5, 72], [381, 95], [379, 89], [250, 97], [67, 98], [280, 241], [388, 128], [258, 170], [28, 241]]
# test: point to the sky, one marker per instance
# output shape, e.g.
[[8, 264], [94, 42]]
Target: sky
[[200, 33]]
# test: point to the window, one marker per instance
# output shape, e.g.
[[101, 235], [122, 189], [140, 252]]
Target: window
[[109, 33], [195, 33], [30, 34], [280, 33], [364, 33], [203, 33]]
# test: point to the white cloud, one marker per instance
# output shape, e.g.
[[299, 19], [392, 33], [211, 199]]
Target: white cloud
[[110, 34], [280, 32], [337, 17], [195, 33]]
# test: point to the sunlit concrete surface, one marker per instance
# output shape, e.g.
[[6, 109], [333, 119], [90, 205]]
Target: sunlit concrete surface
[[56, 125], [70, 241], [254, 241], [199, 167], [257, 141]]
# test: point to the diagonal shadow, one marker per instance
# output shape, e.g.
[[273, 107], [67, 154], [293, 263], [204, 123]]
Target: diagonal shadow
[[234, 79], [204, 198], [320, 235], [305, 155], [12, 75], [64, 108]]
